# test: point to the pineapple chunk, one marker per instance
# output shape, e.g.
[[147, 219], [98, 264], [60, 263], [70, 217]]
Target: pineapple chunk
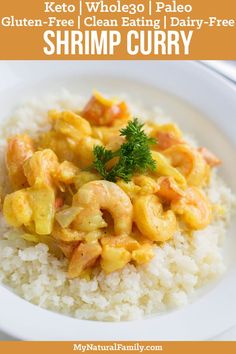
[[143, 255], [66, 172], [42, 201], [127, 242], [114, 258], [31, 205], [84, 177], [129, 188], [17, 209]]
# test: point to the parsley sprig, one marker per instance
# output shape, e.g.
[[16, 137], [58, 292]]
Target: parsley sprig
[[133, 156]]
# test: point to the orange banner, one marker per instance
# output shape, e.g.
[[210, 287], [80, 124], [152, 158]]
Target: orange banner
[[125, 347], [117, 29]]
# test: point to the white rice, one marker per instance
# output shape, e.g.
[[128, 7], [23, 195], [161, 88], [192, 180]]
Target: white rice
[[169, 280]]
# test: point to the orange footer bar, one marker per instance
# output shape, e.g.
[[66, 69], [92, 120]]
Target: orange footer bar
[[125, 347]]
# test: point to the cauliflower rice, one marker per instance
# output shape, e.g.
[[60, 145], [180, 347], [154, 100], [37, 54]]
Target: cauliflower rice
[[179, 267]]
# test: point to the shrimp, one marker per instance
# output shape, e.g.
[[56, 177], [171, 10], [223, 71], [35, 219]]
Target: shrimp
[[83, 257], [84, 151], [209, 157], [194, 208], [169, 189], [166, 140], [152, 128], [63, 146], [152, 221], [101, 111], [67, 248], [19, 149], [189, 162], [40, 168], [166, 134], [103, 195], [70, 124]]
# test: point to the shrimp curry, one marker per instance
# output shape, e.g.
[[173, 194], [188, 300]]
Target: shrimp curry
[[102, 189]]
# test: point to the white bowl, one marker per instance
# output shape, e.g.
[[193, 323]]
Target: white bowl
[[190, 94]]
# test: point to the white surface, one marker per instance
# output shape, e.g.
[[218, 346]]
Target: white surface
[[215, 310]]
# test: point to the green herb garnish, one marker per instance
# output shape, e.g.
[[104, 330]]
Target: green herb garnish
[[133, 156]]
